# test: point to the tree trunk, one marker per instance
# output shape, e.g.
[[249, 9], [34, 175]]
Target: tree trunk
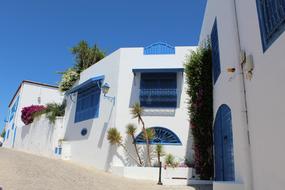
[[136, 148], [125, 148], [147, 141]]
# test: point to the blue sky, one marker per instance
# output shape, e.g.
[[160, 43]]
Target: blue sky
[[35, 36]]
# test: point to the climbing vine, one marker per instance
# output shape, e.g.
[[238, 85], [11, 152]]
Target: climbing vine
[[198, 68]]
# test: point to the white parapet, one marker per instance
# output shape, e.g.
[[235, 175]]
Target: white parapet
[[223, 185], [169, 176]]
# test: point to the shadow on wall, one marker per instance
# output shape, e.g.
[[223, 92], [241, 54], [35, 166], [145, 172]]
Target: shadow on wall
[[106, 125], [25, 131], [74, 130], [111, 154]]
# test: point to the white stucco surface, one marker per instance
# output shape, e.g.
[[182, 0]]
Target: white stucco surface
[[29, 94], [117, 68], [259, 161]]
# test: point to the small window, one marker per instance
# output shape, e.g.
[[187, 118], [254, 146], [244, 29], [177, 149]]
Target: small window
[[216, 68], [271, 15], [87, 106], [158, 90], [161, 136], [83, 131]]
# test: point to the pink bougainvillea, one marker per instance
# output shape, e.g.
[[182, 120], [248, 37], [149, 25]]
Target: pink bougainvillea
[[28, 113]]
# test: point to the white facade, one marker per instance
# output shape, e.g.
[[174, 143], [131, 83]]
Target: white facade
[[122, 70], [29, 93], [258, 143]]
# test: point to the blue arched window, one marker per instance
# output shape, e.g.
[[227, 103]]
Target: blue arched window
[[161, 136]]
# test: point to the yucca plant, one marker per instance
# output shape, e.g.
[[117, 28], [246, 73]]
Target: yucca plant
[[115, 138], [137, 111], [131, 130]]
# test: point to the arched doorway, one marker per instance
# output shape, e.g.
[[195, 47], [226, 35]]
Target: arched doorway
[[223, 145]]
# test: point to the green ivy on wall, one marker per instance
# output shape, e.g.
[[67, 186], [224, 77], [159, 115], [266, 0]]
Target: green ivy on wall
[[198, 68]]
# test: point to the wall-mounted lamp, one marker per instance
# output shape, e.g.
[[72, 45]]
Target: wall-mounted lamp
[[105, 89]]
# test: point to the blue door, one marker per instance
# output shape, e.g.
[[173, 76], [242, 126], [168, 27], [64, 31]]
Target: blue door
[[223, 145]]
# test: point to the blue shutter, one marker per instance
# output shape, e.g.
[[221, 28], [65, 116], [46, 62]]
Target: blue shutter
[[216, 68], [271, 15], [87, 106], [223, 145], [158, 90]]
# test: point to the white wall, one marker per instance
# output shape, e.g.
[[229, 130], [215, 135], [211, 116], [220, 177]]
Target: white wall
[[265, 93], [29, 94], [117, 68], [94, 149], [40, 137], [266, 107], [177, 120]]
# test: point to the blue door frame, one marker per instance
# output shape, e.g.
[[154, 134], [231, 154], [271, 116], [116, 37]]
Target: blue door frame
[[223, 145]]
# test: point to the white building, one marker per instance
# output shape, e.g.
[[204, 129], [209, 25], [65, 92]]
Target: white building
[[152, 76], [22, 137], [248, 43]]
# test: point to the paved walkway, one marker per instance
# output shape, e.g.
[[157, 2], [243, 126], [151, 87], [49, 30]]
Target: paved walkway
[[22, 171]]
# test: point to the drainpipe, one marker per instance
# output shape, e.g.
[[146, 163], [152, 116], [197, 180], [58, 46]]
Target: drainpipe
[[244, 96]]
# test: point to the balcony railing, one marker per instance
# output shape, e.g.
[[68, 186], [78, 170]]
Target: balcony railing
[[158, 97]]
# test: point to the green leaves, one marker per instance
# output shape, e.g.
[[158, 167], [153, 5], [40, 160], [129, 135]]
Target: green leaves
[[131, 129], [85, 57], [198, 69], [114, 136]]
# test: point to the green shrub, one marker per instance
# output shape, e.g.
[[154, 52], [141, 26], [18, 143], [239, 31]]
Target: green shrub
[[198, 69], [170, 161]]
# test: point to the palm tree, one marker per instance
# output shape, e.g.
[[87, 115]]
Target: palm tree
[[159, 152], [131, 130], [137, 111], [115, 138]]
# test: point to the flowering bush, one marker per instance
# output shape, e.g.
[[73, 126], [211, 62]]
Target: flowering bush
[[68, 79], [198, 69], [28, 113]]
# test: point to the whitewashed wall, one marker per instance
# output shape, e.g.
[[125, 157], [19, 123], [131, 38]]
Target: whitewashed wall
[[94, 149], [265, 93], [30, 94], [177, 120], [40, 137]]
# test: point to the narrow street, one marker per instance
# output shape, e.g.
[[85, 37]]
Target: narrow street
[[22, 171]]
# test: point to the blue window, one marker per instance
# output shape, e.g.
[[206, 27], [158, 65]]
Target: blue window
[[159, 48], [216, 68], [158, 90], [14, 109], [271, 15], [8, 132], [161, 136], [87, 106]]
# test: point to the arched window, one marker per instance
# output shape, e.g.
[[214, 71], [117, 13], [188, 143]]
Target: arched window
[[161, 136]]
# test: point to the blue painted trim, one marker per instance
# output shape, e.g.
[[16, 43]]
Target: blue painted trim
[[266, 43], [13, 109], [156, 70], [90, 82], [87, 104], [159, 48], [216, 64], [139, 137], [14, 137]]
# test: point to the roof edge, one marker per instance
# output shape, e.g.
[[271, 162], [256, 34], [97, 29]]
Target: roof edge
[[30, 82]]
